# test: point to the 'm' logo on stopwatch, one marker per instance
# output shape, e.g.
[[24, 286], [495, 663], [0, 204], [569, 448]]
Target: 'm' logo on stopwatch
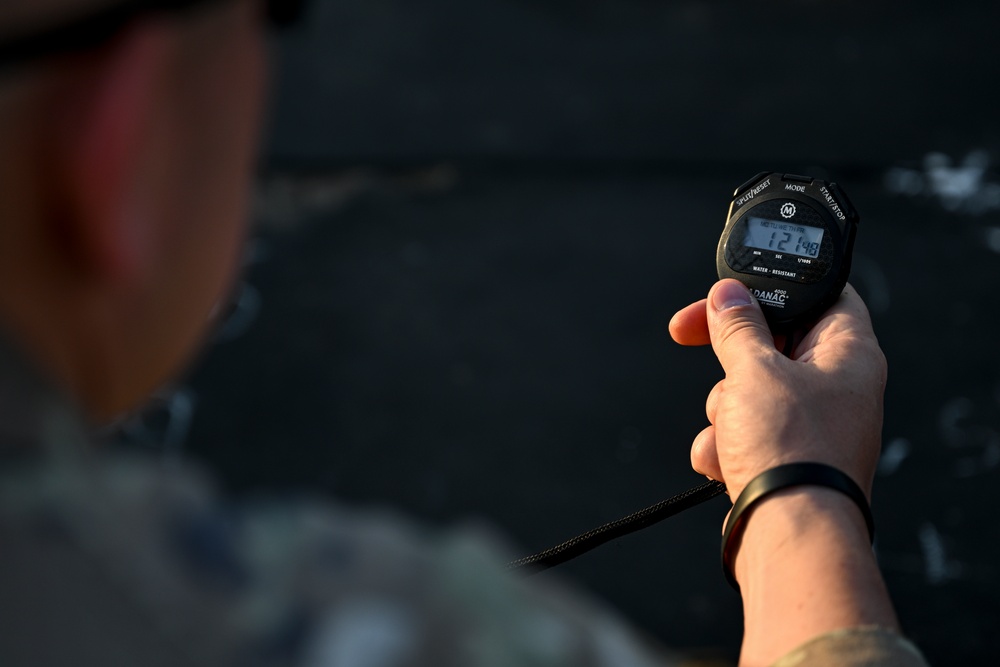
[[787, 210]]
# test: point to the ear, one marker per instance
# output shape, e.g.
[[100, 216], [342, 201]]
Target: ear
[[109, 127]]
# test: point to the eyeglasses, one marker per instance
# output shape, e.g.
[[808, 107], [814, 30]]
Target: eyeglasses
[[85, 32]]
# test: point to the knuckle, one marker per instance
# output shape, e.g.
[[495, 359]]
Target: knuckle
[[882, 365], [876, 361], [737, 331]]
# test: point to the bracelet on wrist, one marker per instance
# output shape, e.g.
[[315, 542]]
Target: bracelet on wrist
[[783, 477]]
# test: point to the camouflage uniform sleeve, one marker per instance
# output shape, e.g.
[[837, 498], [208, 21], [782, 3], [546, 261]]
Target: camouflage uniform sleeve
[[855, 647]]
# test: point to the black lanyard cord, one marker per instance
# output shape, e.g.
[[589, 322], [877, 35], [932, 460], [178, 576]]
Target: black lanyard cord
[[592, 539]]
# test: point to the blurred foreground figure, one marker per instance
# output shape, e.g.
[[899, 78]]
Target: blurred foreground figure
[[127, 140]]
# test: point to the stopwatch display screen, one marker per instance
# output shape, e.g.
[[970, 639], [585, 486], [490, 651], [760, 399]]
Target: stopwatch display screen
[[789, 239], [763, 241], [783, 237]]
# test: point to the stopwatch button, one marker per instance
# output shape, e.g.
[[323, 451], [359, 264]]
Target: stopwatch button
[[845, 203], [795, 178], [746, 186]]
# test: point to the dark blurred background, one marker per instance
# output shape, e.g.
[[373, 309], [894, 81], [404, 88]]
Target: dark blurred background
[[475, 219]]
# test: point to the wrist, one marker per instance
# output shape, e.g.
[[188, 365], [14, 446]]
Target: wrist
[[791, 522], [780, 478], [805, 567]]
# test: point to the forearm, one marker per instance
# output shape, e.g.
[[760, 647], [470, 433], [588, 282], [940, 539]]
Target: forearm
[[805, 567]]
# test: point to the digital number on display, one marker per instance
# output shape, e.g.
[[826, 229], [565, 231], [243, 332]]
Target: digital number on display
[[783, 237]]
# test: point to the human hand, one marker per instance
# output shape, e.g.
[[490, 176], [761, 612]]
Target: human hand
[[823, 404]]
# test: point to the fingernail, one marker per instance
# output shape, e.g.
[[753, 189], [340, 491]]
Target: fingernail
[[731, 294]]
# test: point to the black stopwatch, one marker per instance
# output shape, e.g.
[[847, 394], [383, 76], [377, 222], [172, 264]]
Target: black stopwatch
[[789, 239]]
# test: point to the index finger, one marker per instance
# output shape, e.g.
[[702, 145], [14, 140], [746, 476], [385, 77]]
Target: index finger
[[689, 325]]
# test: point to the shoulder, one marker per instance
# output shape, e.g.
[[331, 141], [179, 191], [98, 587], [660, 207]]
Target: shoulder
[[298, 580]]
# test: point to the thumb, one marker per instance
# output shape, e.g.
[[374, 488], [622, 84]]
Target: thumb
[[736, 324]]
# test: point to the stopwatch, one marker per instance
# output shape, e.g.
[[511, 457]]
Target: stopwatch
[[789, 239]]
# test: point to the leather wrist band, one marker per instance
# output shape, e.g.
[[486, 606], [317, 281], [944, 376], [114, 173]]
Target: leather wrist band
[[783, 477]]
